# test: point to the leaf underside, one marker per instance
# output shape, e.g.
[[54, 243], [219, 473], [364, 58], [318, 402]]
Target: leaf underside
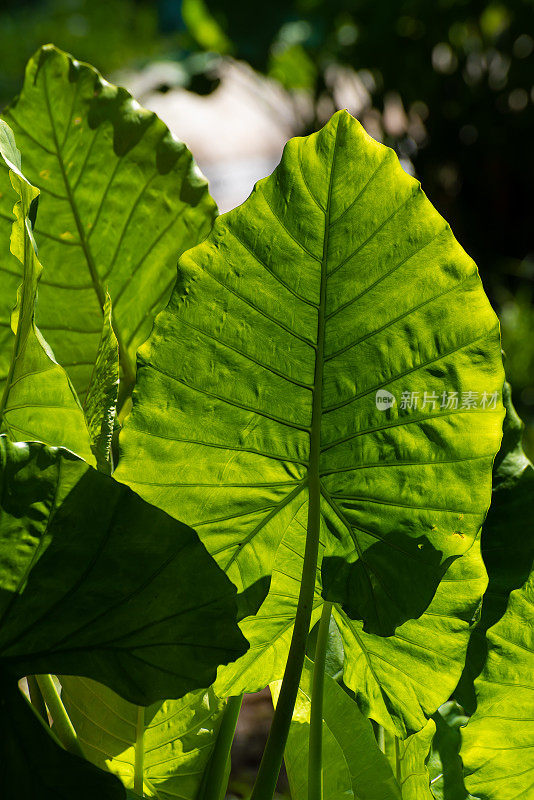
[[353, 766], [178, 737], [121, 199], [335, 279], [37, 400], [498, 750]]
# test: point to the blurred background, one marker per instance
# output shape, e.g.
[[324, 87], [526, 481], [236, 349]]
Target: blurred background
[[448, 84]]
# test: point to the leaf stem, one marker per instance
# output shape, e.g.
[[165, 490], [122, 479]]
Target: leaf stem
[[315, 759], [271, 762], [397, 760], [37, 698], [139, 751], [214, 787], [63, 727]]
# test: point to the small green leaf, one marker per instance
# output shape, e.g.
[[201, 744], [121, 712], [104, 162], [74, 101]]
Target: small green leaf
[[445, 765], [34, 765], [121, 199], [176, 737], [96, 582], [411, 757], [353, 766], [38, 401], [100, 405]]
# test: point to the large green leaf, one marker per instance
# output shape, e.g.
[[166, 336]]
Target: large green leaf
[[353, 766], [34, 765], [96, 582], [507, 542], [411, 756], [498, 746], [171, 742], [498, 751], [37, 399], [334, 281], [121, 199]]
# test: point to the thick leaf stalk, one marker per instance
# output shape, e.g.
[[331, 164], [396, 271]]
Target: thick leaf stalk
[[315, 762], [214, 787], [62, 724]]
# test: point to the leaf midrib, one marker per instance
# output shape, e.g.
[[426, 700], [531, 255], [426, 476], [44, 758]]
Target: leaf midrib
[[126, 362]]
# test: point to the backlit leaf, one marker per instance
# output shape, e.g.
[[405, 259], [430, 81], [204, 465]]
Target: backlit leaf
[[121, 199], [353, 766], [101, 400], [260, 387], [37, 401], [172, 741]]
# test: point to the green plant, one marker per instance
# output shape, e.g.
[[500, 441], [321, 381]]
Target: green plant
[[275, 413]]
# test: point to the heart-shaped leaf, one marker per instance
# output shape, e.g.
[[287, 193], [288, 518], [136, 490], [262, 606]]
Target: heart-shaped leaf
[[96, 582], [121, 199], [297, 340]]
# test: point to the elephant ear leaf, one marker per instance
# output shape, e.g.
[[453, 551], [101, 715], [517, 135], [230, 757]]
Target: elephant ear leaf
[[165, 747], [411, 761], [38, 400], [35, 765], [121, 199], [507, 549], [67, 534], [337, 344], [497, 750]]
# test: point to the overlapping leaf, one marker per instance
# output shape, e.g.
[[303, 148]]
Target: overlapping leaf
[[335, 280], [121, 199], [353, 766], [37, 399], [95, 582], [507, 542], [411, 767], [170, 742], [498, 751], [100, 405], [445, 765]]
